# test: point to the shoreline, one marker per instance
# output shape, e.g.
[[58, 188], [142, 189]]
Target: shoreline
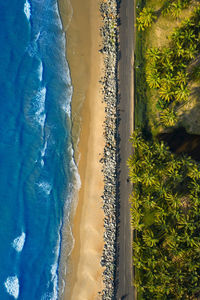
[[84, 278], [106, 35]]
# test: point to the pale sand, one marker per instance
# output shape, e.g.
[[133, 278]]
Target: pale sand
[[86, 66]]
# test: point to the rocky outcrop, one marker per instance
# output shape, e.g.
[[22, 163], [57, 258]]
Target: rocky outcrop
[[109, 33]]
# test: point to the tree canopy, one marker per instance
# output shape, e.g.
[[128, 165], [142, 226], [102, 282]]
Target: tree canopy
[[167, 67], [145, 18], [165, 211]]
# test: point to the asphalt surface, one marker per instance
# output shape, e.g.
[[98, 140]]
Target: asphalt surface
[[125, 288]]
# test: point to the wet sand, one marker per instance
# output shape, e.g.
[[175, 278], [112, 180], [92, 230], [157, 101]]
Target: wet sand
[[86, 65]]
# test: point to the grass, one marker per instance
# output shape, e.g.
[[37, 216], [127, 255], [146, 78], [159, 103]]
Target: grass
[[140, 82], [146, 113], [140, 90]]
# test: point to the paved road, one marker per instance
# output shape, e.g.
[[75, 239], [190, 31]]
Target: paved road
[[125, 275]]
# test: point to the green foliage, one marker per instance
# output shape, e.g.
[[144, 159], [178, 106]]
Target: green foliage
[[145, 18], [166, 68], [174, 8], [165, 211], [168, 117]]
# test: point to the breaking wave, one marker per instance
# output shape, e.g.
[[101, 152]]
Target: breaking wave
[[40, 71], [12, 286], [39, 104], [27, 10], [18, 242], [45, 187]]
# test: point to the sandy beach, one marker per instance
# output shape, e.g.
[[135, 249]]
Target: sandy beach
[[86, 65]]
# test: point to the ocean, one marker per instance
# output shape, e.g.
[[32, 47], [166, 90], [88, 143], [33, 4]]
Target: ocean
[[37, 171]]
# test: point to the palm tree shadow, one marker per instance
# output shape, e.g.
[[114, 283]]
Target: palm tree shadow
[[124, 297], [158, 14], [181, 142]]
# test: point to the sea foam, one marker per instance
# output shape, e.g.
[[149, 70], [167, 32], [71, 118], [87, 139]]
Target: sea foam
[[54, 270], [39, 102], [27, 10], [46, 187], [12, 286], [40, 71], [43, 151], [18, 242]]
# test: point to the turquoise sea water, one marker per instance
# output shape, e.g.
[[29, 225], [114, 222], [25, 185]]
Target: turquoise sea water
[[36, 167]]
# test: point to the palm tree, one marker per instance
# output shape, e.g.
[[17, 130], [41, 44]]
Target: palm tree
[[191, 51], [148, 178], [176, 36], [146, 18], [166, 9], [174, 163], [179, 50], [138, 142], [181, 77], [168, 80], [182, 93], [148, 237], [153, 54], [153, 78], [175, 9], [187, 36], [194, 173], [136, 247], [166, 91], [161, 150], [188, 22], [172, 239], [168, 117], [167, 59], [195, 188]]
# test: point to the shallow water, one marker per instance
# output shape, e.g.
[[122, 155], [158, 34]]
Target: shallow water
[[36, 167]]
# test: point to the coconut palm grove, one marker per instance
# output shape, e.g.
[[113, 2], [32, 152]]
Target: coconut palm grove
[[165, 201]]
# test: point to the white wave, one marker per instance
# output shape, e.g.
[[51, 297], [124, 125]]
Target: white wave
[[42, 162], [54, 273], [32, 49], [39, 103], [27, 10], [74, 169], [37, 36], [54, 278], [67, 109], [18, 243], [43, 151], [68, 240], [56, 9], [67, 105], [40, 71], [54, 268], [45, 186], [12, 286]]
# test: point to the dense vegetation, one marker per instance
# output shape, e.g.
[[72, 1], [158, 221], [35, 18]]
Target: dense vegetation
[[171, 7], [165, 202], [166, 68], [166, 219]]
